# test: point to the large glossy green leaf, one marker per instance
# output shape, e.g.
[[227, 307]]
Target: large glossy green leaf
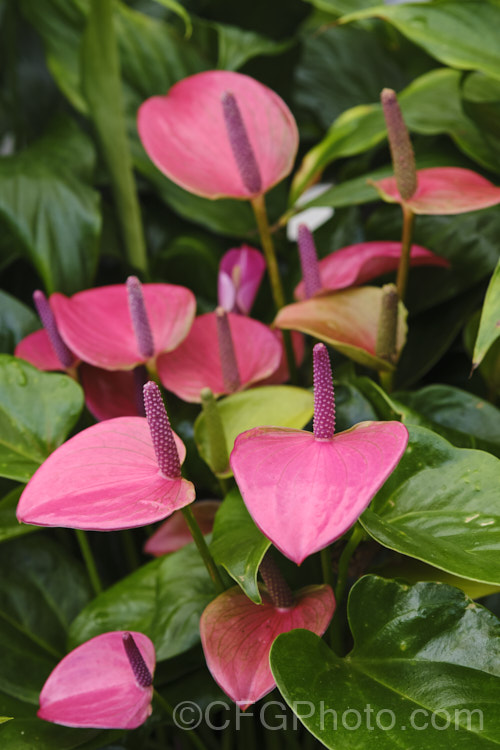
[[326, 81], [49, 208], [42, 588], [440, 506], [459, 33], [163, 599], [273, 405], [238, 545], [465, 419], [422, 655], [9, 525], [489, 325], [431, 105], [16, 321], [37, 411]]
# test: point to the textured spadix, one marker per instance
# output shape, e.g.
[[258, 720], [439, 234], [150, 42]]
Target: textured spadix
[[97, 325], [357, 264], [104, 478], [185, 133], [443, 190], [237, 636], [196, 363], [95, 685]]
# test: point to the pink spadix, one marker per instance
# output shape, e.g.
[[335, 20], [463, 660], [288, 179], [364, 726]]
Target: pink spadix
[[240, 273], [118, 474], [105, 683], [224, 352], [308, 261], [52, 350], [237, 634], [139, 317], [304, 490], [240, 144], [220, 134], [360, 263]]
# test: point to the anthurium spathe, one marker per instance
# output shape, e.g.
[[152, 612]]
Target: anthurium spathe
[[117, 474], [108, 393], [357, 264], [106, 683], [223, 352], [237, 634], [240, 273], [347, 320], [443, 190], [175, 533], [121, 326], [220, 134], [303, 489]]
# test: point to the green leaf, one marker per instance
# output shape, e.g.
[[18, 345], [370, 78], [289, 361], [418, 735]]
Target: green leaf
[[37, 411], [10, 527], [422, 654], [16, 321], [464, 419], [102, 87], [42, 588], [5, 718], [489, 325], [180, 11], [48, 206], [459, 33], [439, 507], [340, 7], [163, 599], [273, 405], [490, 365], [238, 46], [238, 545]]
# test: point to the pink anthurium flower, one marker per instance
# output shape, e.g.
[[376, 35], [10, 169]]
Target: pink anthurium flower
[[223, 352], [237, 634], [240, 273], [220, 134], [174, 533], [117, 474], [443, 190], [107, 394], [106, 683], [121, 326], [357, 264], [303, 489]]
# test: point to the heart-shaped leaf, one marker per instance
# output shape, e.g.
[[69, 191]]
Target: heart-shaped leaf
[[439, 506], [37, 411], [424, 671]]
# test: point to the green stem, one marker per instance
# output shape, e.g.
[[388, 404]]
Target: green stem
[[259, 208], [386, 380], [326, 566], [336, 625], [170, 711], [89, 561], [102, 87], [203, 549], [404, 262], [130, 550]]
